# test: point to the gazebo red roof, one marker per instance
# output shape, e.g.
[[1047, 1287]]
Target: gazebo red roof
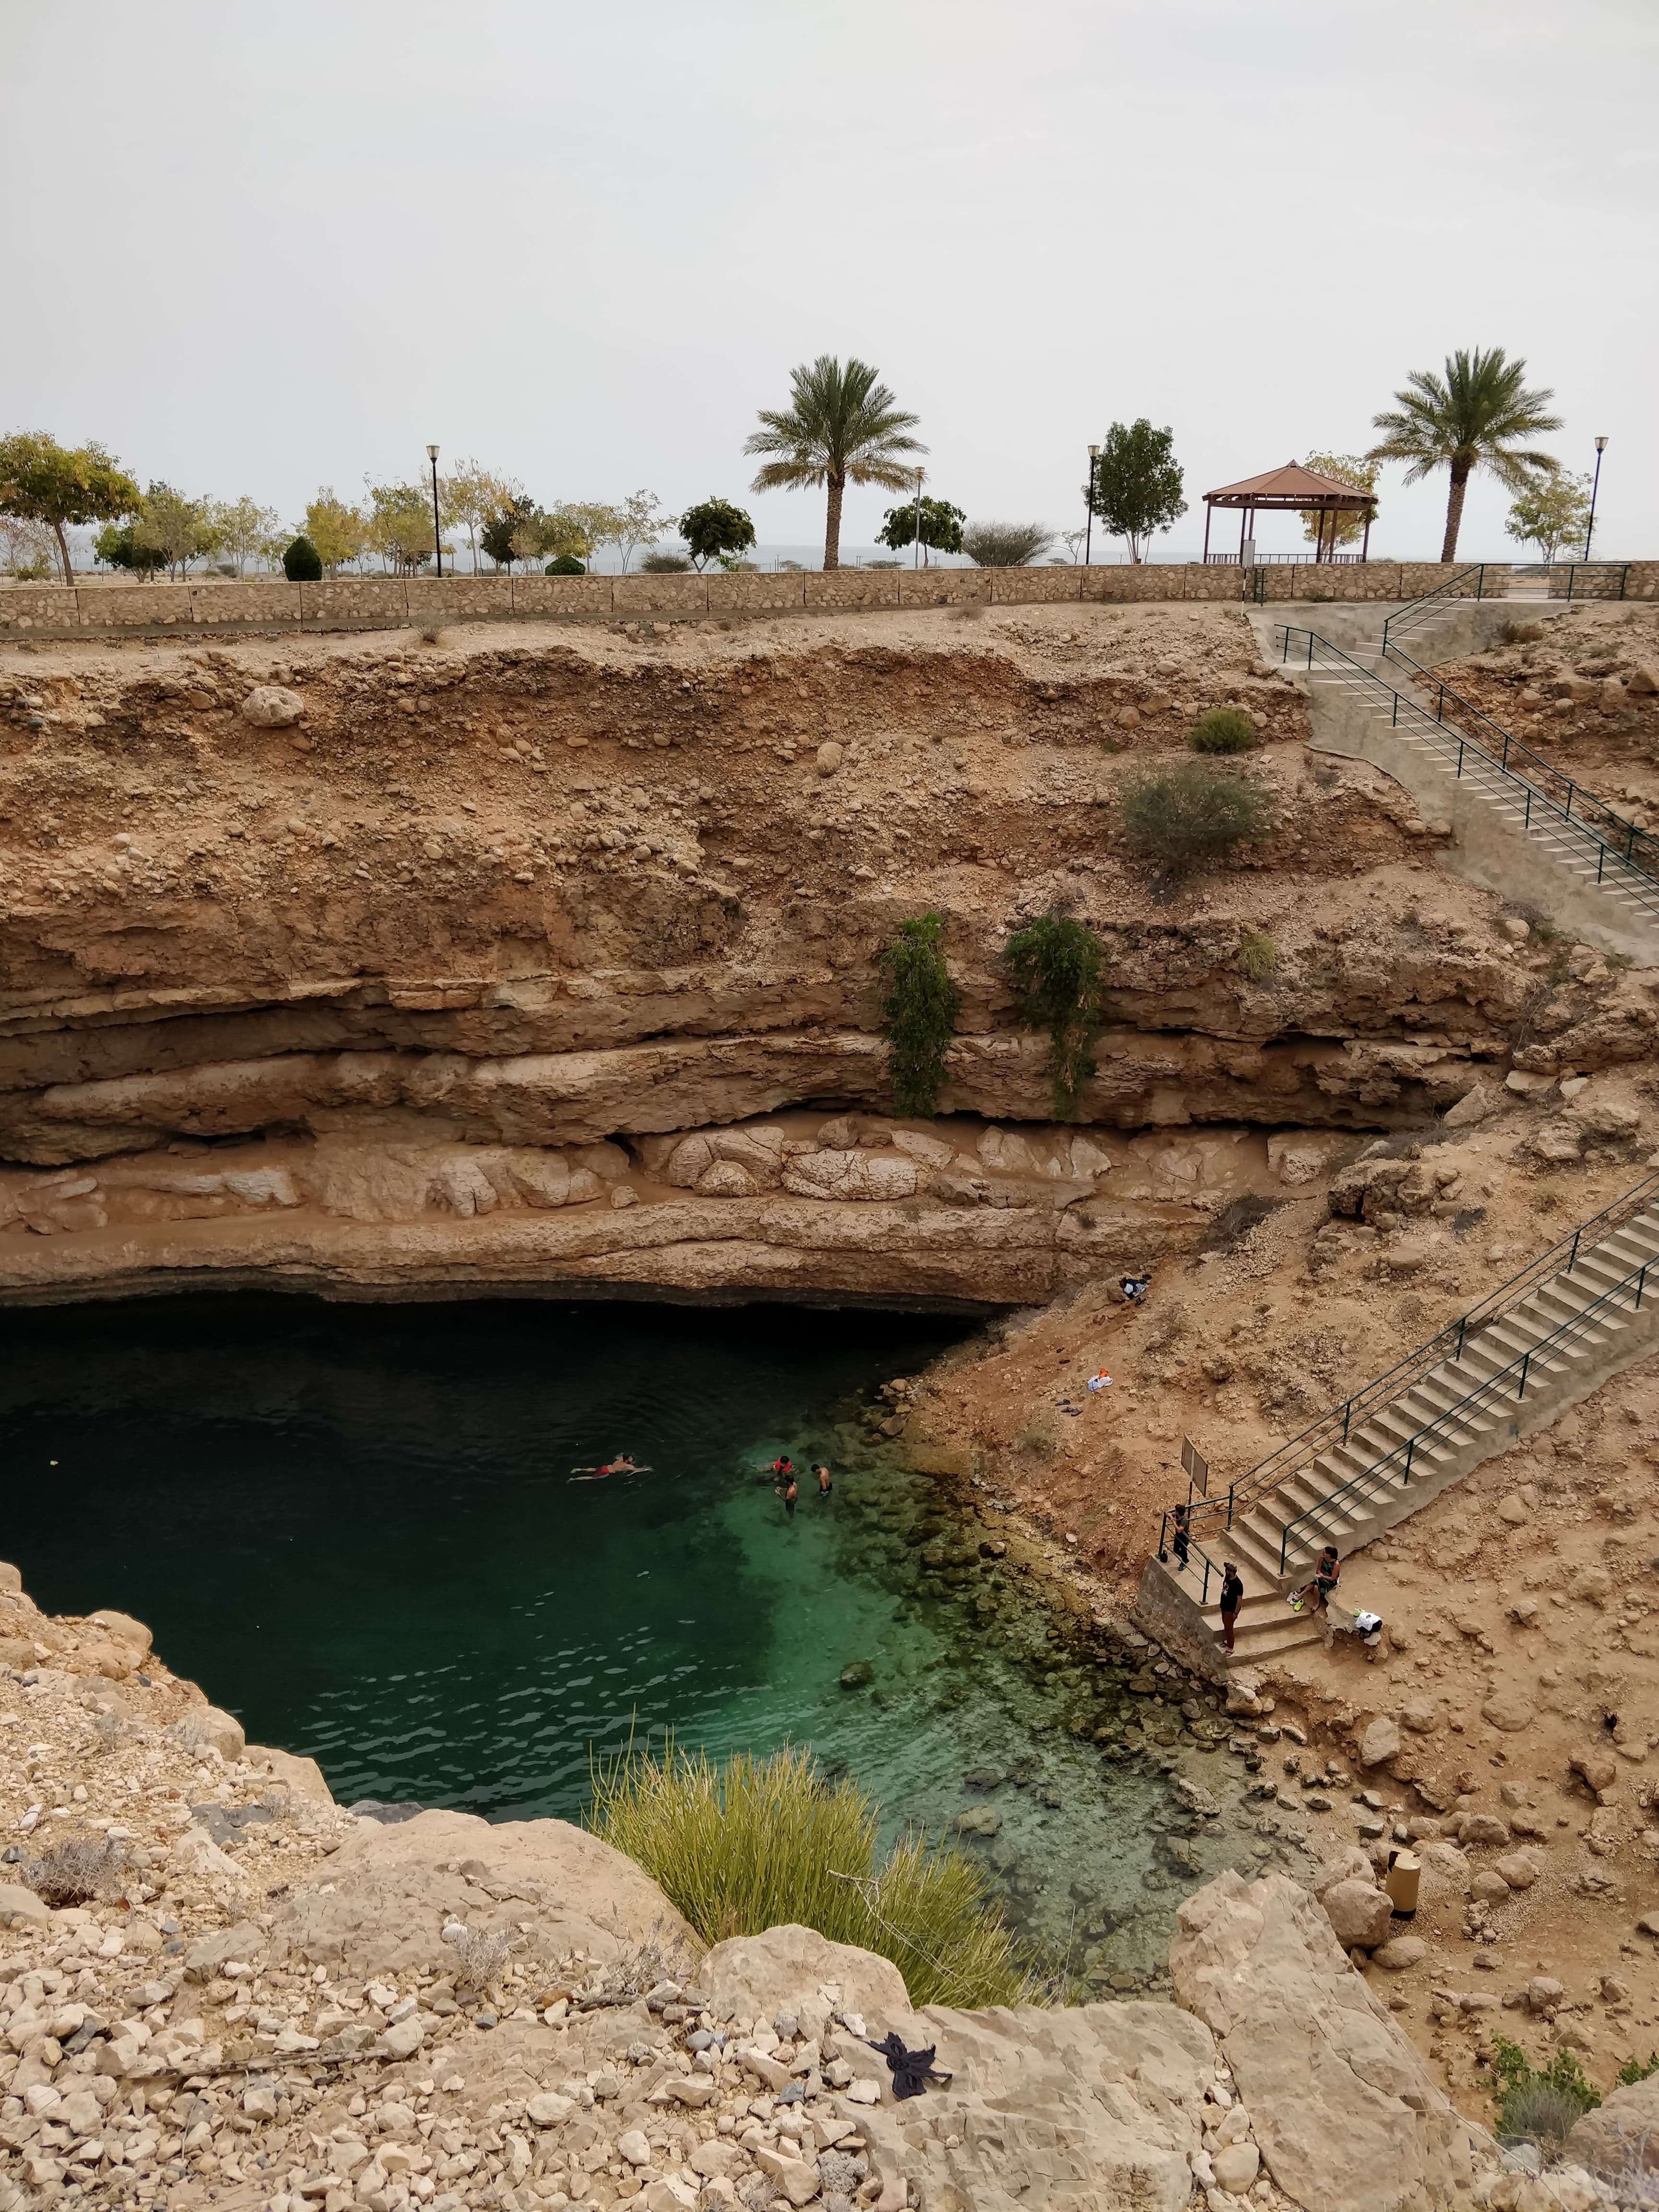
[[1291, 486]]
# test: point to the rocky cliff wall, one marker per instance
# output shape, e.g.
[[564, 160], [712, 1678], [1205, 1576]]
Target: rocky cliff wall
[[325, 915]]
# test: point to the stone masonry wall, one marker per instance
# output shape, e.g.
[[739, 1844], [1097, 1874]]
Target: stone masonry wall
[[389, 602]]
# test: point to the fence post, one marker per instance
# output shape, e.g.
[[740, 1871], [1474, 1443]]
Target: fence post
[[1573, 1262], [1347, 1412], [1641, 1281], [1526, 1362], [1460, 756], [1229, 1505], [1411, 1444]]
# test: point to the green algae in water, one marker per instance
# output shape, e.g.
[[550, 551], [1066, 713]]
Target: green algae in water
[[356, 1526]]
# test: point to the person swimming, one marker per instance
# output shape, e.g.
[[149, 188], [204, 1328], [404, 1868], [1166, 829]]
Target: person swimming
[[624, 1463], [787, 1489]]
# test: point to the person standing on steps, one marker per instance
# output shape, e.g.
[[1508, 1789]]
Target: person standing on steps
[[1232, 1596], [1181, 1536]]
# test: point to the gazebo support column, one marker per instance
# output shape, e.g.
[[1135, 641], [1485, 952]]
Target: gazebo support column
[[1209, 517], [1366, 542]]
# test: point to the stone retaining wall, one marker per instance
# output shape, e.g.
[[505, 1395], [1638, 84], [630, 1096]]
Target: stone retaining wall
[[51, 610]]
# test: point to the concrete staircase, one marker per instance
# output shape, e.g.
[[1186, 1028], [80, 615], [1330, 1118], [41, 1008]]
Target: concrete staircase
[[1581, 1313], [1520, 826]]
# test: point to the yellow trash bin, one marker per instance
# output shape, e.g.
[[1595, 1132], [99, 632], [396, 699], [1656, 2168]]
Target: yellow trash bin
[[1405, 1873]]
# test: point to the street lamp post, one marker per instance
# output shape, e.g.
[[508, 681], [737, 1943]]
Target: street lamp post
[[1089, 526], [437, 537], [917, 562], [1595, 485]]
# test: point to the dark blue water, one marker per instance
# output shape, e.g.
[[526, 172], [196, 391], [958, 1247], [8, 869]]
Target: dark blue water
[[356, 1526]]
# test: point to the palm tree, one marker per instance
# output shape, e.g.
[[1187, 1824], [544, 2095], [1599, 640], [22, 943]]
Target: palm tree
[[1468, 421], [843, 426]]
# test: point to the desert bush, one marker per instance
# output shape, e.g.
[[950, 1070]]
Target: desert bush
[[77, 1871], [918, 1013], [1636, 2069], [1258, 954], [1223, 730], [1539, 2104], [567, 565], [1005, 544], [665, 564], [1037, 1441], [1188, 814], [1054, 966], [301, 562], [763, 1843], [480, 1953]]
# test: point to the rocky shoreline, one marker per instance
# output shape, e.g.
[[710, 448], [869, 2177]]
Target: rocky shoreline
[[277, 2003]]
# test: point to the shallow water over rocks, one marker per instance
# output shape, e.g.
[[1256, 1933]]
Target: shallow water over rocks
[[358, 1527]]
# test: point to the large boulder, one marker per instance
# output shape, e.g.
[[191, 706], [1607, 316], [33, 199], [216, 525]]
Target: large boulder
[[272, 707], [1076, 2108], [1621, 2136], [389, 1891], [1360, 1914], [1347, 2117]]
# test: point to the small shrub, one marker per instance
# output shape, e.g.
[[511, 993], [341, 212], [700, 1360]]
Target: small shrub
[[1170, 1325], [1549, 1198], [665, 564], [1038, 1442], [1258, 955], [480, 1953], [302, 563], [1005, 544], [919, 1013], [765, 1843], [1223, 730], [77, 1871], [1539, 2104], [1619, 960], [566, 565], [1633, 2071], [1188, 814], [1055, 965]]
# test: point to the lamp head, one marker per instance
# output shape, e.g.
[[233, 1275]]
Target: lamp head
[[432, 453], [1601, 445], [1094, 452]]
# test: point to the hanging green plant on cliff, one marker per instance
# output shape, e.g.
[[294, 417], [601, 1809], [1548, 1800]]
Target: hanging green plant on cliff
[[919, 1013], [1054, 966]]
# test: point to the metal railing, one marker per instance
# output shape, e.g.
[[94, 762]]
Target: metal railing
[[1333, 1427], [1622, 854], [1586, 579], [1508, 1385]]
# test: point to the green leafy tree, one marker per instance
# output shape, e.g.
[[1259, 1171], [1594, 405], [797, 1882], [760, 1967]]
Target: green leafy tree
[[117, 543], [41, 481], [1341, 526], [918, 1013], [575, 527], [565, 564], [515, 513], [181, 529], [1552, 515], [301, 562], [471, 496], [715, 530], [940, 526], [242, 528], [1053, 964], [1474, 416], [399, 524], [338, 530], [638, 522], [843, 426], [1137, 484]]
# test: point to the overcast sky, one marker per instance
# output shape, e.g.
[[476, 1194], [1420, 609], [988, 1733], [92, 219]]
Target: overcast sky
[[261, 249]]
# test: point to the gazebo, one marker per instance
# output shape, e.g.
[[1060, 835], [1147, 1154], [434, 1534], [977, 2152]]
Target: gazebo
[[1296, 491]]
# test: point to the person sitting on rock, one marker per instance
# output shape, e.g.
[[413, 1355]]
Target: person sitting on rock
[[1328, 1573], [1134, 1288]]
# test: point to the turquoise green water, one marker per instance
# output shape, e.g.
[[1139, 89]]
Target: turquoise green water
[[356, 1526]]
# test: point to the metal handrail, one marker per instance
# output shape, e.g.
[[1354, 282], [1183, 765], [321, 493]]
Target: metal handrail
[[1639, 885], [1512, 747], [1416, 610], [1335, 1425], [1483, 1394]]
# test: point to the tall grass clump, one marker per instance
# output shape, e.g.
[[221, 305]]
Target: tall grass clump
[[1258, 954], [1223, 730], [755, 1844], [1054, 966], [919, 1013], [1188, 814], [1539, 2104]]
